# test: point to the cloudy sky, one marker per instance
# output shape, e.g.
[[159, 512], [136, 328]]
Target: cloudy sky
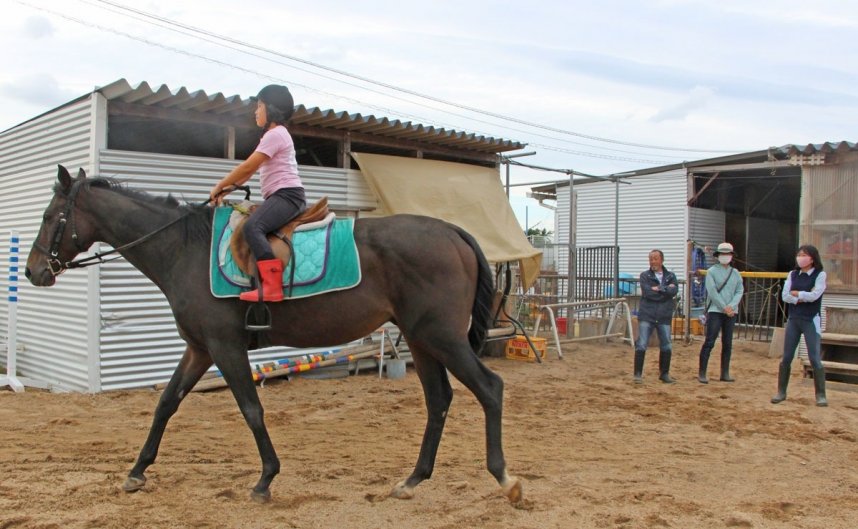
[[598, 87]]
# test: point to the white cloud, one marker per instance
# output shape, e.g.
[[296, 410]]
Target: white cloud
[[38, 90], [682, 73], [38, 27], [695, 100]]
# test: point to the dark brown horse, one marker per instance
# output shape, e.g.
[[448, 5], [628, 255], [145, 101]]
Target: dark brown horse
[[428, 277]]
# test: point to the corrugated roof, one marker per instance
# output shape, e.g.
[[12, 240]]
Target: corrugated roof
[[824, 148], [217, 103], [782, 152]]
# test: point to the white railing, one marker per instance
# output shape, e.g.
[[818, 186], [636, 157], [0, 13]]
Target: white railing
[[582, 306]]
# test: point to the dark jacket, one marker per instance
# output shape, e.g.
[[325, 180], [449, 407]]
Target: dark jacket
[[657, 306], [804, 283]]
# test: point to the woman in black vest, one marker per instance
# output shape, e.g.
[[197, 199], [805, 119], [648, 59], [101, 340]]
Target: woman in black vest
[[803, 294]]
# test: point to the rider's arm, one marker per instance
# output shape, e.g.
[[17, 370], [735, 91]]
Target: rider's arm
[[240, 174]]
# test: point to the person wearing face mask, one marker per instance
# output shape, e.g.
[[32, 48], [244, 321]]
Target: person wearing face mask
[[803, 294], [658, 290], [724, 290]]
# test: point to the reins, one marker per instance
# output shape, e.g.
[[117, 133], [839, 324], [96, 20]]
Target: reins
[[57, 267]]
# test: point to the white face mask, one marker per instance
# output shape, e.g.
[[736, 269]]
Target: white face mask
[[803, 261], [725, 259]]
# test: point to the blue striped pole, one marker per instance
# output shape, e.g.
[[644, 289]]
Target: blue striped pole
[[12, 336]]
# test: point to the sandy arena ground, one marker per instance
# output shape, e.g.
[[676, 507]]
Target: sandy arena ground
[[594, 451]]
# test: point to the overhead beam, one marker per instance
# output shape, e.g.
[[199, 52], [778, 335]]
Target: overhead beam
[[741, 167], [708, 183], [119, 108]]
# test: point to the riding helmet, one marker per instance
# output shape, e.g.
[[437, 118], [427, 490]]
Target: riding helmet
[[277, 98]]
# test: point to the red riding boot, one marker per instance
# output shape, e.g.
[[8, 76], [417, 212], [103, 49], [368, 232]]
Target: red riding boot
[[271, 279]]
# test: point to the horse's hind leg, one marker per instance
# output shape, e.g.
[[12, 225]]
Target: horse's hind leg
[[438, 395], [461, 361], [191, 367]]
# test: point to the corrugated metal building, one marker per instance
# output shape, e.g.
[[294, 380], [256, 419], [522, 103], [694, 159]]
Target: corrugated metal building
[[764, 202], [108, 327]]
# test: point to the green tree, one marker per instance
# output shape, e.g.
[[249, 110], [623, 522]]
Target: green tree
[[544, 232]]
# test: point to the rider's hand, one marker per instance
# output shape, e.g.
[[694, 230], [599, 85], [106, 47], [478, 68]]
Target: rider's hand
[[216, 195]]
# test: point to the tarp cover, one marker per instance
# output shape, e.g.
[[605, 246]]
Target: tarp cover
[[468, 196]]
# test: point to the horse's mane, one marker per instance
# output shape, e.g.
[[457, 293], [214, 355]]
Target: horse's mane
[[198, 217]]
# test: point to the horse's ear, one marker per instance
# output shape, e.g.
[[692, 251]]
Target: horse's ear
[[81, 174], [64, 177]]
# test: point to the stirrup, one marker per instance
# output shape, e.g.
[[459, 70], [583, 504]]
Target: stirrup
[[257, 318]]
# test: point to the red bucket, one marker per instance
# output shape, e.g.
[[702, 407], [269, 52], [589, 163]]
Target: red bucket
[[561, 325]]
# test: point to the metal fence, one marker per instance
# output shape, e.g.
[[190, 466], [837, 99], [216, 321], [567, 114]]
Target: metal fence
[[760, 311]]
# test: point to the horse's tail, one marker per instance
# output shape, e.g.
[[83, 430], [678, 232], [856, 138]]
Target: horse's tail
[[481, 312]]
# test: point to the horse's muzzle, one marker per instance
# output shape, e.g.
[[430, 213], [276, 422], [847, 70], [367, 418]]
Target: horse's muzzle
[[41, 277]]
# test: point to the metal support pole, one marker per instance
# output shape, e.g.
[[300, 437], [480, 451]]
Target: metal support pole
[[572, 265], [689, 279], [617, 237]]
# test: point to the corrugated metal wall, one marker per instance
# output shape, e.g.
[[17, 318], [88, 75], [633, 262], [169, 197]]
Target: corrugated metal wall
[[139, 342], [52, 322], [561, 228], [652, 214], [707, 228]]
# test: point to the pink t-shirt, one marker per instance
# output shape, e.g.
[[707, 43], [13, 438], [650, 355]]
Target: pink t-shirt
[[281, 168]]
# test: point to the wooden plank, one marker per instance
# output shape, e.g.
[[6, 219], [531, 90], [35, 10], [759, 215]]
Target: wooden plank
[[834, 338], [835, 367], [776, 347]]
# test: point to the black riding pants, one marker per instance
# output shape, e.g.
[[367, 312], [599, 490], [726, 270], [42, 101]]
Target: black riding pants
[[278, 209]]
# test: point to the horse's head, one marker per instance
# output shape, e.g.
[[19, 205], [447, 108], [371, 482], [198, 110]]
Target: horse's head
[[64, 232]]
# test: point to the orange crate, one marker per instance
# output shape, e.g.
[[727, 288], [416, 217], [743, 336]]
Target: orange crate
[[678, 325], [518, 349], [697, 328]]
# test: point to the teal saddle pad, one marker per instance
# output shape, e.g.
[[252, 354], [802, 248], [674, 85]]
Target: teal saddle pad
[[326, 260]]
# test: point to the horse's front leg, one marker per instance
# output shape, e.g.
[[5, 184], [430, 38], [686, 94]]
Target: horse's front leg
[[236, 371], [191, 367]]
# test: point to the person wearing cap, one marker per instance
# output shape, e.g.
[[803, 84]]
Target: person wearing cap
[[803, 295], [724, 290], [658, 292], [282, 190]]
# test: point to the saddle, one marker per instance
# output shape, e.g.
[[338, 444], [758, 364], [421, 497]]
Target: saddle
[[241, 250]]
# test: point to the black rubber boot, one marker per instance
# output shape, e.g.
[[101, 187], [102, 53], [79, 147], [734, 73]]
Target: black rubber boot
[[819, 385], [701, 373], [725, 367], [783, 382], [639, 362], [664, 367]]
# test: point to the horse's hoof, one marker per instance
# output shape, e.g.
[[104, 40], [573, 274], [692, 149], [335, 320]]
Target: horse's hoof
[[402, 491], [261, 497], [513, 490], [133, 484]]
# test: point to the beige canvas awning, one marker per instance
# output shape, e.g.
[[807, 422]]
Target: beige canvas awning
[[468, 196]]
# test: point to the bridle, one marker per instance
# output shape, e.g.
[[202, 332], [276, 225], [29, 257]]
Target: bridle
[[57, 267]]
